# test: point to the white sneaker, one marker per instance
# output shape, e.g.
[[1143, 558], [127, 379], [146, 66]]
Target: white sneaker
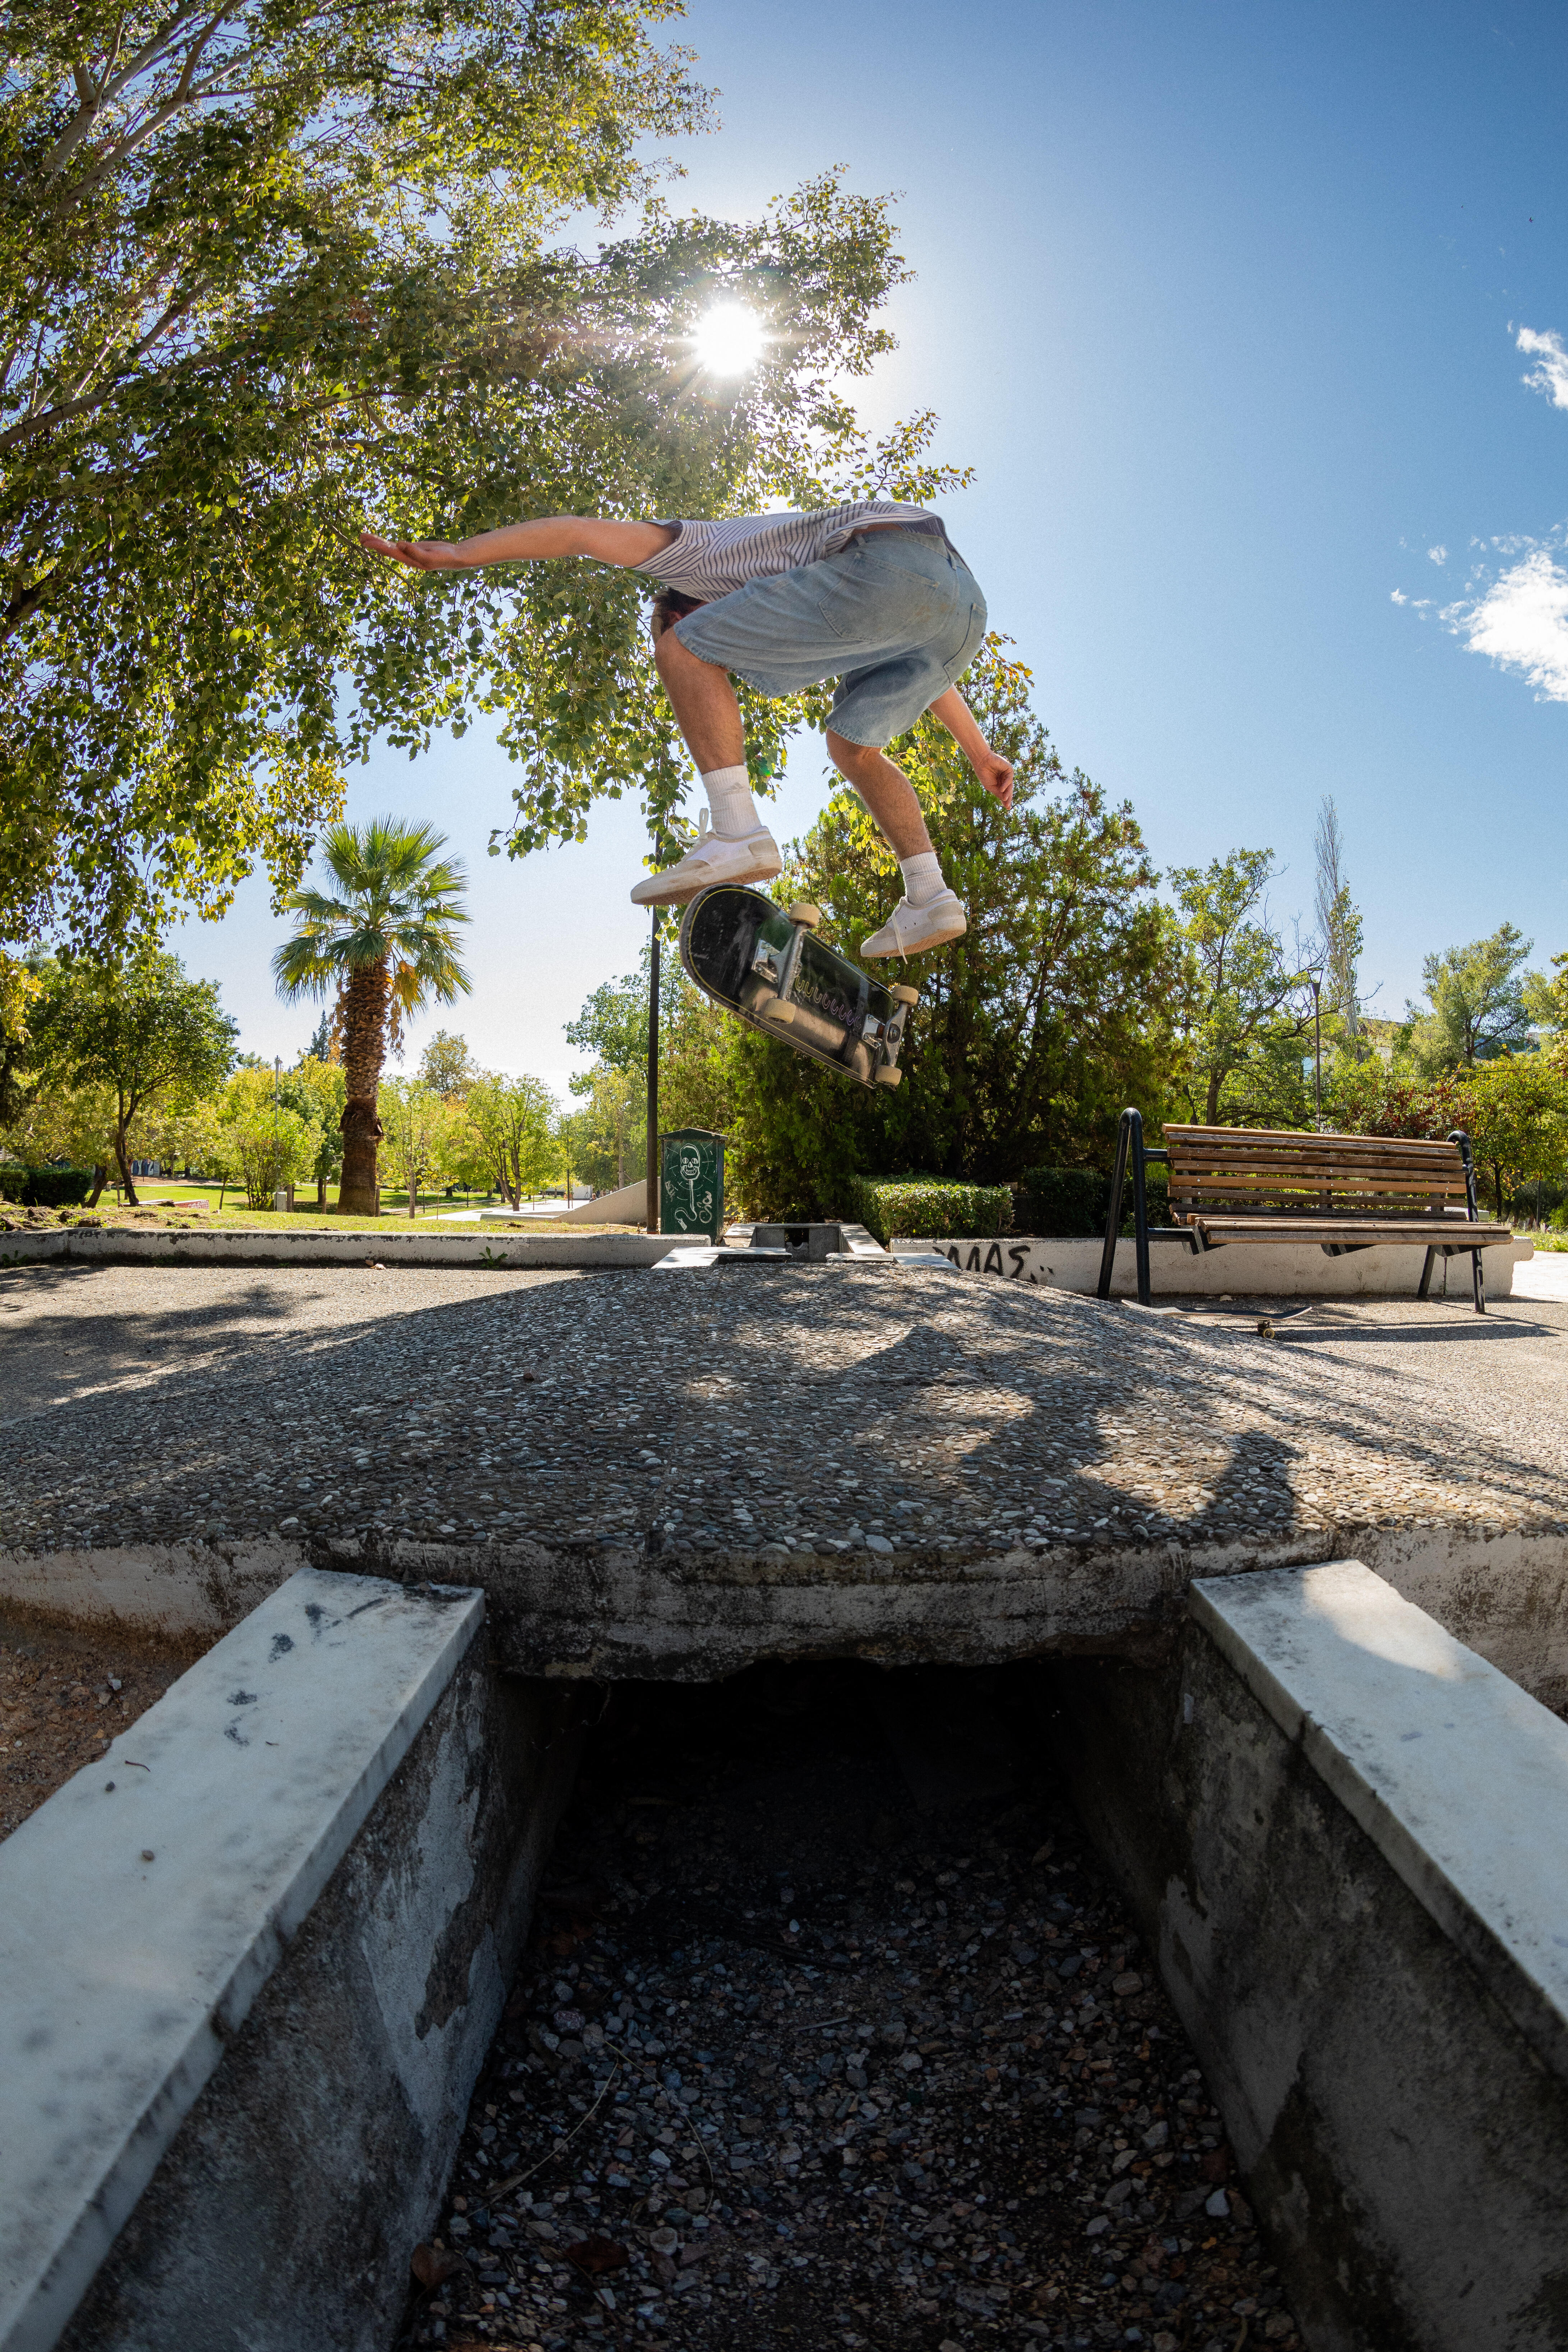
[[754, 857], [909, 929]]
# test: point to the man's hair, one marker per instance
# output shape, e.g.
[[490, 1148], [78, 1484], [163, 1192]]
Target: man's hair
[[670, 606]]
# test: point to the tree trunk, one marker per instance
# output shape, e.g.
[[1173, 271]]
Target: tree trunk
[[1211, 1106], [364, 1045], [123, 1159], [100, 1179]]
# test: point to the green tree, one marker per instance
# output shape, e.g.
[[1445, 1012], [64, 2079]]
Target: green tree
[[1339, 923], [1251, 1014], [385, 942], [140, 1030], [270, 272], [608, 1136], [447, 1066], [56, 1121], [420, 1125], [1515, 1109], [318, 1090], [1476, 1002], [514, 1122]]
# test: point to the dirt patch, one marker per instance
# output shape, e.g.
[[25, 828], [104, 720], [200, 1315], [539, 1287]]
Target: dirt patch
[[833, 2032], [64, 1692]]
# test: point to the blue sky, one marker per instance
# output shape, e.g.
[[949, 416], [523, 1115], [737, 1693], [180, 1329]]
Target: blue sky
[[1224, 305]]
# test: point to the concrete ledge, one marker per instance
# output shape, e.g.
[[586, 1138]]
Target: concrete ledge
[[391, 1248], [156, 1587], [1347, 1837], [199, 2046], [1269, 1270], [1458, 1775]]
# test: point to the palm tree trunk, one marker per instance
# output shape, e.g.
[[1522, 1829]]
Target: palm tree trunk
[[364, 1047]]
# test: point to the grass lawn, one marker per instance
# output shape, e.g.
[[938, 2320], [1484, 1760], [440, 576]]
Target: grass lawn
[[198, 1203], [196, 1206]]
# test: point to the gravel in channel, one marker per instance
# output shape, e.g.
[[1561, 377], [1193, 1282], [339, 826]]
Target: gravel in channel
[[791, 2064], [833, 1409]]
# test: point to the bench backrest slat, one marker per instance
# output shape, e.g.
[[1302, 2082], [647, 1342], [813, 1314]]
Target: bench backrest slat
[[1271, 1170]]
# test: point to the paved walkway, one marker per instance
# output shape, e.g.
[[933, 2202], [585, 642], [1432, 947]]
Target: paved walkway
[[788, 1410]]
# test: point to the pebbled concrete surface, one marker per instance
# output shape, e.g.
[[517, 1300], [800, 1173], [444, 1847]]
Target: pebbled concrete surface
[[745, 1444]]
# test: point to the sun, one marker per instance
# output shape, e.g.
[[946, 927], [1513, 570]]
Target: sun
[[729, 339]]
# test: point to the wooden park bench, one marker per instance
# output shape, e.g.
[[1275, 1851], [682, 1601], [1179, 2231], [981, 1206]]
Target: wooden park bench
[[1235, 1184]]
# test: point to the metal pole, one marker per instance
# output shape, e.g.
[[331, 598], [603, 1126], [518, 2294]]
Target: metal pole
[[653, 1200], [1317, 1047]]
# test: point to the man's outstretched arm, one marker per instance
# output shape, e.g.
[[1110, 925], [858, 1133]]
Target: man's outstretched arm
[[994, 772], [590, 535]]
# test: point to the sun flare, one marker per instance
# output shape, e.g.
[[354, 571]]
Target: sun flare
[[729, 339]]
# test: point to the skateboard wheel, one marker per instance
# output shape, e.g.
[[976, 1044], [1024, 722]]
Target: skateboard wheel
[[893, 1078], [803, 911], [903, 994], [779, 1011]]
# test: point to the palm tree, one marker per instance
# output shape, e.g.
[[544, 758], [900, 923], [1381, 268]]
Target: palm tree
[[385, 942]]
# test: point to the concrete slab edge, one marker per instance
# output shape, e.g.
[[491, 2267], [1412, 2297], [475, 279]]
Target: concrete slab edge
[[508, 1254], [42, 2283], [1426, 1850]]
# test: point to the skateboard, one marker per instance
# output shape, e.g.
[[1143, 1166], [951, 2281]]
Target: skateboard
[[765, 964]]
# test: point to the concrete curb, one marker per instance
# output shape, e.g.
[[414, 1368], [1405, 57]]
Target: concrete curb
[[509, 1252], [1267, 1270]]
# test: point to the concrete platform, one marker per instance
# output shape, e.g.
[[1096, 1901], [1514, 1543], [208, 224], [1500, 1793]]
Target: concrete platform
[[672, 1478]]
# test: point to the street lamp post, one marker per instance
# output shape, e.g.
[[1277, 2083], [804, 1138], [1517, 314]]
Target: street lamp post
[[653, 1082], [1317, 982]]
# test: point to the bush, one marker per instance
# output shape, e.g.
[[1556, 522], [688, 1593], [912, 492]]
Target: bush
[[45, 1188], [1060, 1202], [930, 1208]]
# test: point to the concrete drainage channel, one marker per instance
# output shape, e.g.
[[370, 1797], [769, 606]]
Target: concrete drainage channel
[[254, 1962]]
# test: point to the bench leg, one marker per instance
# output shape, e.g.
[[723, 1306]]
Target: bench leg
[[1425, 1288], [1478, 1282]]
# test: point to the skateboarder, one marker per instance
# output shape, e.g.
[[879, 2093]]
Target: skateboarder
[[870, 592]]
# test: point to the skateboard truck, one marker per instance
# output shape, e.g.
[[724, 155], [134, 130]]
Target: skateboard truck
[[883, 1037], [782, 968]]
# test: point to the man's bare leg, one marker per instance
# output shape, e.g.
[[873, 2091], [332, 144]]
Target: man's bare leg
[[929, 913], [704, 704], [739, 849], [886, 792]]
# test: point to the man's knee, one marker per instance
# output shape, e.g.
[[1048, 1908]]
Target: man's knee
[[849, 758]]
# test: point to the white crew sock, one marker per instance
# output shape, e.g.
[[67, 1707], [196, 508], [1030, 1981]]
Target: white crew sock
[[734, 810], [923, 879]]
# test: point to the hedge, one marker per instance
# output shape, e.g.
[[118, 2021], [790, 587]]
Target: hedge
[[930, 1208], [1065, 1204], [45, 1188]]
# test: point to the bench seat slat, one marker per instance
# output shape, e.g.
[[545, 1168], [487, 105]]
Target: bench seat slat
[[1307, 1138], [1446, 1232]]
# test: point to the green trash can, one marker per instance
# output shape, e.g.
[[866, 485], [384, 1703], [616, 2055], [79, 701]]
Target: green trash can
[[691, 1182]]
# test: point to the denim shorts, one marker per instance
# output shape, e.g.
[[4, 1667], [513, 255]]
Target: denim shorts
[[896, 616]]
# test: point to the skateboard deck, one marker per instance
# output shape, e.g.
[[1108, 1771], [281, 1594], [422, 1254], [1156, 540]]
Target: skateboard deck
[[765, 964]]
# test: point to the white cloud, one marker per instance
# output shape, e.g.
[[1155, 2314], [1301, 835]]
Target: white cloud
[[1397, 596], [1438, 554], [1521, 621], [1551, 374]]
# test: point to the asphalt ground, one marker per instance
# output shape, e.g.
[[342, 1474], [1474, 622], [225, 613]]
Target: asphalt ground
[[903, 1410]]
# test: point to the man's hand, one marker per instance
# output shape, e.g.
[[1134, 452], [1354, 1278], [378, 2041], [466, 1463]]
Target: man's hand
[[995, 773], [419, 554]]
